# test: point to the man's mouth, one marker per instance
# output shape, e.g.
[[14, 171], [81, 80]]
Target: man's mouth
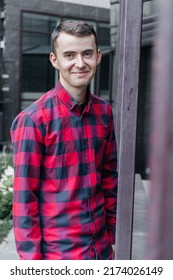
[[80, 72]]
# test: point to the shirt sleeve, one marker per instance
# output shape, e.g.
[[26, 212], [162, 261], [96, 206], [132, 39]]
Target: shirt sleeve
[[28, 152], [110, 180]]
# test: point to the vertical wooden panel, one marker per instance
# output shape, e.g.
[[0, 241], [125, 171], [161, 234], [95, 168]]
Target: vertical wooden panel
[[127, 94], [160, 227]]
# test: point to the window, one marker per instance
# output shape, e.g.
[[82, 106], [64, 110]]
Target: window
[[105, 71], [37, 73], [103, 34]]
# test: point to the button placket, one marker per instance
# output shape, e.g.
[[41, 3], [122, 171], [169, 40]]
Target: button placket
[[84, 142], [90, 192], [86, 166], [92, 216]]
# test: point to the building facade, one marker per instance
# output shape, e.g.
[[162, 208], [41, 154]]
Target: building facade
[[25, 70]]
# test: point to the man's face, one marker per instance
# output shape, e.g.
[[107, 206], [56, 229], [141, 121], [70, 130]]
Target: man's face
[[76, 58]]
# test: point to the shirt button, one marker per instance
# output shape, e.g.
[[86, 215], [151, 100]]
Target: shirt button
[[92, 216], [84, 142], [78, 107], [90, 192], [86, 166]]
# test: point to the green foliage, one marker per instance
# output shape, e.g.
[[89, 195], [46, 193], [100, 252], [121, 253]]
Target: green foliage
[[5, 161], [6, 185], [6, 191], [6, 206], [5, 226]]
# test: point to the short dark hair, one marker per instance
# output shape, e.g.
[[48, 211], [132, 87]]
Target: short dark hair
[[73, 27]]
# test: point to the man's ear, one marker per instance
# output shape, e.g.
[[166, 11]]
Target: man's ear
[[53, 60], [99, 56]]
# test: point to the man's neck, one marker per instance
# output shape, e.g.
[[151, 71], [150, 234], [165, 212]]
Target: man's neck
[[78, 93]]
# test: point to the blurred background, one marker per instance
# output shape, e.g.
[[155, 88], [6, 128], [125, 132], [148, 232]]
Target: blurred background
[[26, 73]]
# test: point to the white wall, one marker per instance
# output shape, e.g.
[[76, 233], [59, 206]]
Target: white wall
[[94, 3]]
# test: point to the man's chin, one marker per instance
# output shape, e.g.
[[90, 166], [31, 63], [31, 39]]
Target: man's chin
[[81, 83]]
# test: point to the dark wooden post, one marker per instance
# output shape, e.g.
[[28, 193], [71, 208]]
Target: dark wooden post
[[128, 57], [160, 227]]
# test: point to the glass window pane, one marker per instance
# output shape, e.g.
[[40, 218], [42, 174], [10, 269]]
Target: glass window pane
[[37, 73], [39, 23], [103, 34], [35, 43], [149, 8], [104, 77]]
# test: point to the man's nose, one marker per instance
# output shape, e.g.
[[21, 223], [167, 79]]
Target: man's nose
[[80, 63]]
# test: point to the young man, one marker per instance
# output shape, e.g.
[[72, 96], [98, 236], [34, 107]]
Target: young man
[[65, 159]]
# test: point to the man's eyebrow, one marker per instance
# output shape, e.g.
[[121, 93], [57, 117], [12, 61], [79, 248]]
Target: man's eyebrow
[[88, 50], [70, 51]]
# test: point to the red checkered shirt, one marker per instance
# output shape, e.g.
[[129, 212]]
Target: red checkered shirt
[[65, 183]]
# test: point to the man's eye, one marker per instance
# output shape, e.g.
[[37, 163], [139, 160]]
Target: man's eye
[[88, 54], [69, 55]]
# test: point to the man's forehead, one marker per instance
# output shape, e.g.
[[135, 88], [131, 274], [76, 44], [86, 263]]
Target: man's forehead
[[65, 39]]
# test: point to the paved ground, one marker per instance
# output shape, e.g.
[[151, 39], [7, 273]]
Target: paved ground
[[8, 250], [140, 222]]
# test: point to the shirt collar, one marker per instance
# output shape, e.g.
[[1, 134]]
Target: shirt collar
[[68, 100]]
